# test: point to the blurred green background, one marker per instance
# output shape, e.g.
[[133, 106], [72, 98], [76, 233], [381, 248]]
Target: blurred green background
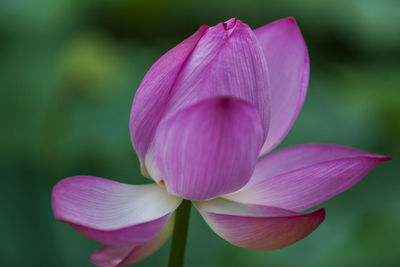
[[68, 73]]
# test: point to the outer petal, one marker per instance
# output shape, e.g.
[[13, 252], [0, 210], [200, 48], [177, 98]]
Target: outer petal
[[258, 227], [153, 94], [288, 63], [111, 212], [210, 148], [303, 176], [227, 61], [110, 256]]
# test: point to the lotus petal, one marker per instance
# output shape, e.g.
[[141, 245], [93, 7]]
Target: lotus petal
[[210, 148], [301, 177], [110, 212], [288, 64], [258, 227]]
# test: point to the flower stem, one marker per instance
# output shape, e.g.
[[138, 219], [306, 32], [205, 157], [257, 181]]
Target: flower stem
[[179, 235]]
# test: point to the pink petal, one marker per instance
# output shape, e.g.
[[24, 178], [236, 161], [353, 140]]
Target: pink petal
[[227, 61], [110, 256], [210, 148], [111, 212], [287, 58], [153, 94], [258, 227], [300, 177]]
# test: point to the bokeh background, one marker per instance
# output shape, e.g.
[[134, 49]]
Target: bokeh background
[[68, 73]]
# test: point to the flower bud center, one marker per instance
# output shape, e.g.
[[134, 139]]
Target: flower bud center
[[229, 25]]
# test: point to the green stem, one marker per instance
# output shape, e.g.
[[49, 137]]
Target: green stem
[[179, 235]]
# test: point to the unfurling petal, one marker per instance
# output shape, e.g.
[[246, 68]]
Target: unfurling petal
[[210, 148], [287, 58], [110, 212], [227, 61], [300, 177], [258, 227], [110, 256], [153, 94]]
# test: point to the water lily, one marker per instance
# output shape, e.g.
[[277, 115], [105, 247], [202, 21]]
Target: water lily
[[203, 122]]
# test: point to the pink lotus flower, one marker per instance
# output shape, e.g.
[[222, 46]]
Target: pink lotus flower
[[203, 118]]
